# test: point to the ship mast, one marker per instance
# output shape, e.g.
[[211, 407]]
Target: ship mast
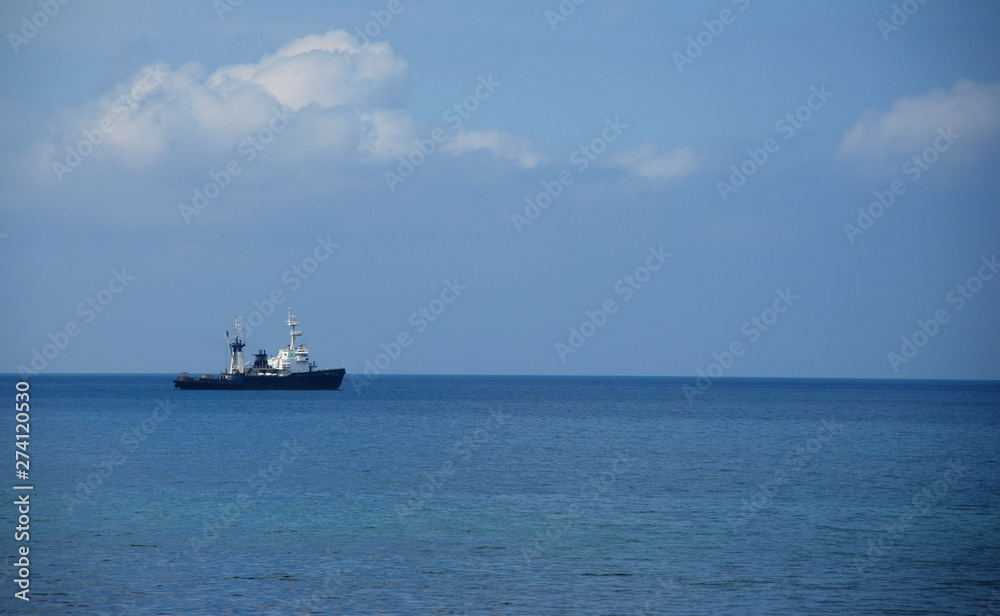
[[236, 363], [292, 322]]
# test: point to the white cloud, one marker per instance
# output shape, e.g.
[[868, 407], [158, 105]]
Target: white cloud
[[388, 133], [972, 109], [644, 162], [353, 94], [327, 70], [499, 143]]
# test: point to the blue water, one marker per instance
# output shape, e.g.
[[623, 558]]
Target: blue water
[[510, 495]]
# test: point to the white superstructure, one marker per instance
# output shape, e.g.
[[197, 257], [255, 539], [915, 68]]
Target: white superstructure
[[291, 359]]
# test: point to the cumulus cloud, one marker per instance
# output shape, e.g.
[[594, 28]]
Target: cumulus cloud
[[327, 70], [972, 109], [645, 162], [354, 97]]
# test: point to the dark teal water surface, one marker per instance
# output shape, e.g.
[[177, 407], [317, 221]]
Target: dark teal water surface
[[509, 495]]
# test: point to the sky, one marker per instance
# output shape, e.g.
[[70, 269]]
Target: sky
[[733, 188]]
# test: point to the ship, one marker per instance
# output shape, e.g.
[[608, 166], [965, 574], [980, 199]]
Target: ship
[[289, 369]]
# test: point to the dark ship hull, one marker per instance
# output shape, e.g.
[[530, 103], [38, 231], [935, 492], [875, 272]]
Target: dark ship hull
[[312, 380]]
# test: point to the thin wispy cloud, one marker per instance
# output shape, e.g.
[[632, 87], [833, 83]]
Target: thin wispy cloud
[[969, 108], [649, 163], [499, 143]]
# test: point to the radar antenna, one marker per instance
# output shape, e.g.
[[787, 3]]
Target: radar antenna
[[236, 346], [292, 322]]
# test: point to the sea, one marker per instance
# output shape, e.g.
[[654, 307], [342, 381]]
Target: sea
[[455, 495]]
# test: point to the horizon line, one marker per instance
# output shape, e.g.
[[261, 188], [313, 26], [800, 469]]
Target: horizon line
[[565, 376]]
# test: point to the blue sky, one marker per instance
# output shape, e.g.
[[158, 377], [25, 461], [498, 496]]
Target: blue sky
[[653, 255]]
